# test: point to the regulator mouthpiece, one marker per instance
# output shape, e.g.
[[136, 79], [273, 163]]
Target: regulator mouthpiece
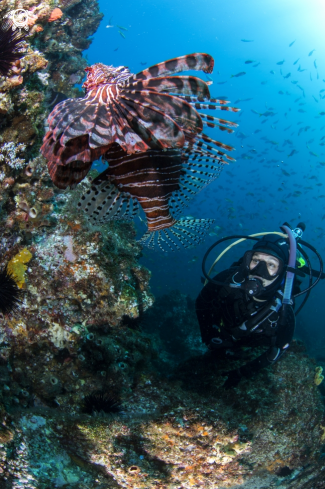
[[253, 287]]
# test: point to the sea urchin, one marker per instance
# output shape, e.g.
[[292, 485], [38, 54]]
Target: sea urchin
[[9, 292], [98, 403], [11, 47]]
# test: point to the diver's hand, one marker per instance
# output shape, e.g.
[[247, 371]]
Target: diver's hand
[[240, 332], [233, 380]]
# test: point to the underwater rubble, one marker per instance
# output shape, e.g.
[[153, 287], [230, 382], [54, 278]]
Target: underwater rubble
[[101, 387]]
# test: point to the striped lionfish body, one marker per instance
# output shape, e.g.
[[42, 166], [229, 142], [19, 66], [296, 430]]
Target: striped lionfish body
[[148, 128]]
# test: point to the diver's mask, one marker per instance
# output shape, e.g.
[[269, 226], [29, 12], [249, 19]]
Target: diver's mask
[[253, 286], [261, 269]]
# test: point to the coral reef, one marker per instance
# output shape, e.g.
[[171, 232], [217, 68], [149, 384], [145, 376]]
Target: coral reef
[[184, 433], [91, 393], [58, 33]]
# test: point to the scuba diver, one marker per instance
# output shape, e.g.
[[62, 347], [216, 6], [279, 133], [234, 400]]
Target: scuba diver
[[251, 303]]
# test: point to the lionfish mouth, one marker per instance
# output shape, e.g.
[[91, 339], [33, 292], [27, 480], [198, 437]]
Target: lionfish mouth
[[149, 127]]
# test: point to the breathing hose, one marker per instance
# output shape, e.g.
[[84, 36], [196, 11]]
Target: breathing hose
[[292, 264]]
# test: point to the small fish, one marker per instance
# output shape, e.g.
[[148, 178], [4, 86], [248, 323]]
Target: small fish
[[269, 113], [272, 72], [209, 77], [292, 43], [293, 152], [239, 100], [311, 52], [194, 259], [311, 78], [321, 113], [249, 61], [281, 93], [301, 70], [256, 65], [108, 26], [296, 61], [115, 49], [287, 76], [120, 27], [315, 64], [294, 82], [281, 62], [121, 34], [241, 73], [143, 63], [247, 40], [315, 99], [285, 172]]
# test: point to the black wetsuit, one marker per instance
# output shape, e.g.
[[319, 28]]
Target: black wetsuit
[[222, 310]]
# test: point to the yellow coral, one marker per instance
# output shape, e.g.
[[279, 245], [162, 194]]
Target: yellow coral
[[318, 379], [17, 266], [323, 435]]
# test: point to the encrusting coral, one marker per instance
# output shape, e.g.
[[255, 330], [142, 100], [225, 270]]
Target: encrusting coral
[[318, 379], [17, 266]]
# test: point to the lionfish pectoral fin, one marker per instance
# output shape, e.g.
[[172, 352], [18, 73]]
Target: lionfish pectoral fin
[[103, 202], [184, 233], [184, 85]]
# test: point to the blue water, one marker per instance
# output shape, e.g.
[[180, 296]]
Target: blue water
[[265, 186]]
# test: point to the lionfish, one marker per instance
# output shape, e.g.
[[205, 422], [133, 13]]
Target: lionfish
[[148, 128]]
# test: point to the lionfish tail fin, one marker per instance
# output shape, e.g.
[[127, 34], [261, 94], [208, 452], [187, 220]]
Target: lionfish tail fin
[[185, 233]]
